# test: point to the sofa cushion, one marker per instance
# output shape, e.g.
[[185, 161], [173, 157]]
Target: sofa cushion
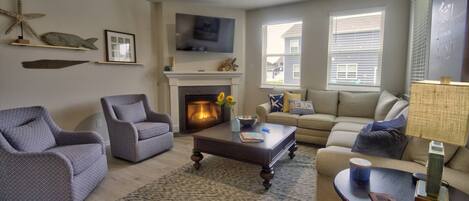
[[276, 102], [457, 179], [283, 118], [301, 107], [417, 150], [134, 112], [151, 129], [385, 102], [81, 156], [342, 139], [357, 104], [324, 102], [348, 126], [287, 97], [34, 136], [396, 109], [316, 121], [294, 91], [359, 120], [460, 160]]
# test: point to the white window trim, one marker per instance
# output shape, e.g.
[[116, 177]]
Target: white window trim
[[330, 86], [293, 71], [297, 41], [264, 84]]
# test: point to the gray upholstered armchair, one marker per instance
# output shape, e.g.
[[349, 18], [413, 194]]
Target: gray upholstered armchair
[[40, 161], [135, 131]]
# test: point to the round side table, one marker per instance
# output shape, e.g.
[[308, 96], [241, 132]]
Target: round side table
[[398, 184]]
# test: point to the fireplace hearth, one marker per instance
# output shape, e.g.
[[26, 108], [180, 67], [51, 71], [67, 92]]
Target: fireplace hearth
[[199, 109]]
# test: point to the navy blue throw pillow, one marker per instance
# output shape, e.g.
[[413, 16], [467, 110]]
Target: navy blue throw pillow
[[396, 123], [276, 102], [389, 143]]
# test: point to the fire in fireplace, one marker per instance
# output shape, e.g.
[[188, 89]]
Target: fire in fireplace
[[202, 112]]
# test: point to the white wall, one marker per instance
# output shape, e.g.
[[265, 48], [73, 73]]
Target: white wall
[[193, 61], [72, 94], [315, 16]]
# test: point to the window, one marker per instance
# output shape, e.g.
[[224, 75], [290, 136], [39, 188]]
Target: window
[[281, 54], [346, 71], [296, 71], [294, 46], [355, 49]]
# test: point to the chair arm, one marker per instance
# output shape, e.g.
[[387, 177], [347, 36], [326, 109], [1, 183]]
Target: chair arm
[[80, 137], [23, 176], [160, 117], [262, 110], [124, 131]]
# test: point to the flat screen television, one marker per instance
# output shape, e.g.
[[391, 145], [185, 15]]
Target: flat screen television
[[204, 34]]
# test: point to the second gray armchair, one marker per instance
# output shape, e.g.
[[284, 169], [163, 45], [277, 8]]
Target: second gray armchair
[[135, 131]]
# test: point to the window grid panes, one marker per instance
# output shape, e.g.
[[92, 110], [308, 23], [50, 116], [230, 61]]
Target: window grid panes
[[355, 48], [282, 54]]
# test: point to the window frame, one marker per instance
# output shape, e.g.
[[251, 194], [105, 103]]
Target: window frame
[[296, 71], [378, 70], [347, 71], [263, 83], [297, 41]]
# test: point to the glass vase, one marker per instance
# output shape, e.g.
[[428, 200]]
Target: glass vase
[[235, 125]]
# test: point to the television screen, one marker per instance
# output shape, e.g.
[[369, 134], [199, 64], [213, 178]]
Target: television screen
[[204, 34]]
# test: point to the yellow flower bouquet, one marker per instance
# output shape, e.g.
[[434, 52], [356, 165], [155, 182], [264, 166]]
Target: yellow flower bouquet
[[228, 101]]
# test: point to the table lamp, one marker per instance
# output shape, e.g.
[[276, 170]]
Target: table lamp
[[438, 111]]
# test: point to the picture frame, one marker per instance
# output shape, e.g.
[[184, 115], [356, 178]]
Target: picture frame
[[120, 47]]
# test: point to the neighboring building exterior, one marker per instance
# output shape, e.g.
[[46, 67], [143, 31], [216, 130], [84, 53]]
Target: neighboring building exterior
[[355, 46], [355, 49], [292, 62]]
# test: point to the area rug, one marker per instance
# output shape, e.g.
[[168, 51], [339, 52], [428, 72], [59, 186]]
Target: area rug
[[224, 179]]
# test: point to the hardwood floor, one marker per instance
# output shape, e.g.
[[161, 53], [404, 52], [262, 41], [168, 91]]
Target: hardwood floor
[[124, 177]]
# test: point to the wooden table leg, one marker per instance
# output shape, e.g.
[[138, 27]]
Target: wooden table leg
[[267, 173], [292, 150], [196, 157]]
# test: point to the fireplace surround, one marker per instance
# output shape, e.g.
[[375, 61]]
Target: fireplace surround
[[180, 79]]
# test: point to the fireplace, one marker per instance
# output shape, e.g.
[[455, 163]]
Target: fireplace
[[202, 112], [198, 108]]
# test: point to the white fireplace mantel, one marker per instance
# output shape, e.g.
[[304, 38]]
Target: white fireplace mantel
[[195, 78]]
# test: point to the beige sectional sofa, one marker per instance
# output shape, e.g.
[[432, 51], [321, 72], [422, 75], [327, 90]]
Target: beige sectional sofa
[[331, 108], [338, 133]]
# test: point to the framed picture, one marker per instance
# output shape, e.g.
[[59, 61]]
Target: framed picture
[[120, 47]]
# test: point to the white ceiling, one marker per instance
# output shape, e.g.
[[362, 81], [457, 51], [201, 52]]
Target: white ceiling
[[241, 4]]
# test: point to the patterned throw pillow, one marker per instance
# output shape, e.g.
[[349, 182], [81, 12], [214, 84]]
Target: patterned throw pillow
[[287, 97], [276, 102], [34, 136], [134, 112], [301, 107]]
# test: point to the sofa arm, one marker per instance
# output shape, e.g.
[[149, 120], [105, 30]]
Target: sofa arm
[[160, 117], [35, 176], [262, 111], [80, 137], [333, 159]]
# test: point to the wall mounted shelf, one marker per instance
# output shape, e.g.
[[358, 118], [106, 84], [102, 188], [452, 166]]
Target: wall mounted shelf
[[50, 46], [119, 63]]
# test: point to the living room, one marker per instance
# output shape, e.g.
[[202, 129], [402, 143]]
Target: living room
[[234, 100]]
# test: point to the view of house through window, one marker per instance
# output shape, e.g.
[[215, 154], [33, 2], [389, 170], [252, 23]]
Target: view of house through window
[[282, 54], [355, 49]]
